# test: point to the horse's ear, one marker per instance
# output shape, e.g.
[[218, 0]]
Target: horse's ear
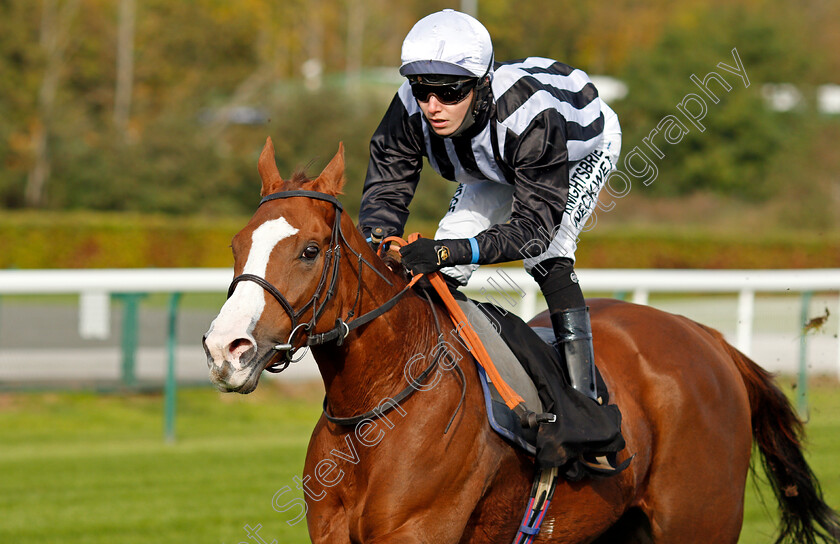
[[331, 180], [271, 180]]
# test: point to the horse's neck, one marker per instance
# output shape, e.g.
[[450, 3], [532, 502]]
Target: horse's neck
[[371, 363]]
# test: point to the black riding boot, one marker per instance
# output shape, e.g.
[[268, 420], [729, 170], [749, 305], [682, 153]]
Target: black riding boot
[[574, 339], [570, 321]]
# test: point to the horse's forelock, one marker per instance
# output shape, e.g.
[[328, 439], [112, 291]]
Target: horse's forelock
[[331, 181], [298, 179]]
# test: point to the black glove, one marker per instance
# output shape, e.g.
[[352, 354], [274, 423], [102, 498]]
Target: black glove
[[425, 255]]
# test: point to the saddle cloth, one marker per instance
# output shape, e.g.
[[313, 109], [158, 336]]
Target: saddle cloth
[[528, 361], [501, 418]]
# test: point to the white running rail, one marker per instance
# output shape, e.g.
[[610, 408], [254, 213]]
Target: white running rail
[[494, 283]]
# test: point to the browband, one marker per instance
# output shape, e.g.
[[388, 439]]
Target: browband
[[308, 194]]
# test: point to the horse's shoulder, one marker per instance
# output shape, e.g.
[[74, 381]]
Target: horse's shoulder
[[321, 441]]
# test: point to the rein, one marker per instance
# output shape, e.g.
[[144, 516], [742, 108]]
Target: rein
[[414, 386], [545, 481]]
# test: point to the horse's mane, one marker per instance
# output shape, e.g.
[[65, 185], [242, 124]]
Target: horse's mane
[[396, 266]]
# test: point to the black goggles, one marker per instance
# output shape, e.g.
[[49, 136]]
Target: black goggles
[[448, 93]]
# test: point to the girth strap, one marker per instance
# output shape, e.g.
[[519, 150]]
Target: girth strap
[[541, 493]]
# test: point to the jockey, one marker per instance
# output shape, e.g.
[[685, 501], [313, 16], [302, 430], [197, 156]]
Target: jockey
[[530, 144]]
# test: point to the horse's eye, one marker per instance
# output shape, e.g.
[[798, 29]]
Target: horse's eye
[[310, 252]]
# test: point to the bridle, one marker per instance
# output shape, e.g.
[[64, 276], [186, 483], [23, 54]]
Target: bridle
[[323, 294]]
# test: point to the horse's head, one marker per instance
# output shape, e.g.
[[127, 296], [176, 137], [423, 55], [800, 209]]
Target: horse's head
[[285, 265]]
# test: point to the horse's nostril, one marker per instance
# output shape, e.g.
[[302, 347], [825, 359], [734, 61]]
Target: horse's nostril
[[238, 347]]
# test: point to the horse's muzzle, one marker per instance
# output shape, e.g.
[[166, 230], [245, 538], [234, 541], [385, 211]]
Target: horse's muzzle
[[231, 362]]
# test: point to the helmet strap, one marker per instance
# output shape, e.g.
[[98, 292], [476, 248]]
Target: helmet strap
[[479, 103]]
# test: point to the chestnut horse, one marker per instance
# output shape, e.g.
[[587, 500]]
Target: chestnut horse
[[692, 404]]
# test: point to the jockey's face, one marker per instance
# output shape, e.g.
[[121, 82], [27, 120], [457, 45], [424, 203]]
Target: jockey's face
[[445, 118]]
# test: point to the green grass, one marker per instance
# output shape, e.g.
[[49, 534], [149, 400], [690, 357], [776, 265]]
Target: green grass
[[823, 453], [86, 468], [82, 468]]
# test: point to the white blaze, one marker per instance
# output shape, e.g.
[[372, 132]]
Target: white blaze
[[243, 309]]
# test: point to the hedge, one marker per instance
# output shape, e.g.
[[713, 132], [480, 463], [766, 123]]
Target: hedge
[[30, 240], [87, 240], [667, 248]]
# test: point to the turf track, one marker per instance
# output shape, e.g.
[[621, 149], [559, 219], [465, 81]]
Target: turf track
[[85, 468]]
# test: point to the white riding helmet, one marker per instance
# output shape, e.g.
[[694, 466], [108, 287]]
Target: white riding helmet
[[448, 43]]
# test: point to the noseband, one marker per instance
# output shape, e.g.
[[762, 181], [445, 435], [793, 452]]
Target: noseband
[[323, 293]]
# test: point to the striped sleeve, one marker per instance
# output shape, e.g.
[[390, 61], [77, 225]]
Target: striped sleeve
[[396, 158]]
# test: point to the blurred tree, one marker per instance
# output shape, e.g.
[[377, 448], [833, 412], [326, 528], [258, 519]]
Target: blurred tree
[[19, 24], [125, 64], [743, 140], [181, 131], [595, 37], [56, 20]]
